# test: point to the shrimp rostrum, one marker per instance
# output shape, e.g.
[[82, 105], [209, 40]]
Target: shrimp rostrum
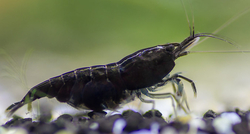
[[108, 86]]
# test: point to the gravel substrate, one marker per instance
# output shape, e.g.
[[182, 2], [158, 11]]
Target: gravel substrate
[[134, 123]]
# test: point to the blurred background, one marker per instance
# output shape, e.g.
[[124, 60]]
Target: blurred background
[[43, 39]]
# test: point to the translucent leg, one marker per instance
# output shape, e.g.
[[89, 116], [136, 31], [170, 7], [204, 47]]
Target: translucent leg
[[177, 75], [172, 78], [164, 81], [179, 94], [167, 78], [159, 96], [144, 100]]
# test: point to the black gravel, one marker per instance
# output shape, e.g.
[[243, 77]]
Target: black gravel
[[133, 122]]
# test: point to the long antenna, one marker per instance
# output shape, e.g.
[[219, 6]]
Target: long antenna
[[220, 51], [230, 21], [190, 29], [213, 35]]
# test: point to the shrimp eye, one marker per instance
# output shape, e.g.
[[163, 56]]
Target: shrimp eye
[[170, 48]]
